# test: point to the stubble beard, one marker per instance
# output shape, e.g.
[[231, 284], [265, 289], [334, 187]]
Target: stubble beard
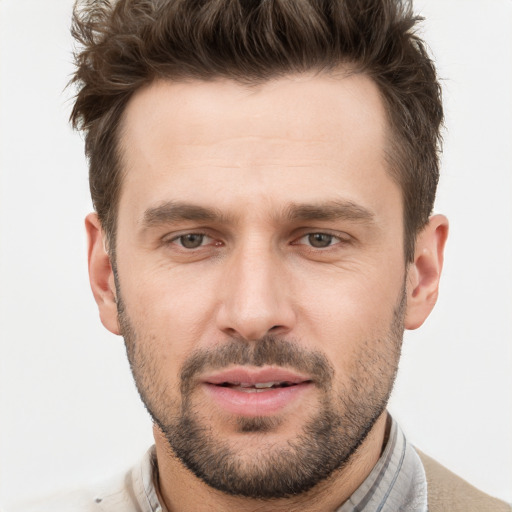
[[325, 443]]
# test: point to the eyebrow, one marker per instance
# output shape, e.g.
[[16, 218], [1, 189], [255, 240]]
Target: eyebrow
[[330, 210], [174, 211]]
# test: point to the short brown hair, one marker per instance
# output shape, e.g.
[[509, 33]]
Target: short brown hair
[[126, 44]]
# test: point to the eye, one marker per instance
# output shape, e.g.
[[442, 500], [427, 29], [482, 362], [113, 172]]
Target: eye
[[191, 240], [319, 240]]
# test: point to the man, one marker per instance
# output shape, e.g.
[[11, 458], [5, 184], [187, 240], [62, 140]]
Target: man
[[263, 175]]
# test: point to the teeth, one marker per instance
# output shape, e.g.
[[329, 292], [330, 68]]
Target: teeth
[[256, 387], [252, 390], [261, 385]]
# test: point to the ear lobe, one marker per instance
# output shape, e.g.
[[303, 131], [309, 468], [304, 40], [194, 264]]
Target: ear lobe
[[101, 276], [424, 273]]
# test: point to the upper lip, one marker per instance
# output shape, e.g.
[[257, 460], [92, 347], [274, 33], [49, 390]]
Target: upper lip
[[252, 376]]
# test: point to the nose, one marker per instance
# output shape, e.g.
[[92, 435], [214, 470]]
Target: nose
[[255, 295]]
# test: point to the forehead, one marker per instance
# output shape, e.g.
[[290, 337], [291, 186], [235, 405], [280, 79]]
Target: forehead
[[290, 137], [301, 107]]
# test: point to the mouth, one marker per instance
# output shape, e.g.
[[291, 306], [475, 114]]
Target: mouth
[[257, 387], [256, 391]]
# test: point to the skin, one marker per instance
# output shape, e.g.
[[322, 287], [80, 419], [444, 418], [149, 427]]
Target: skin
[[252, 154]]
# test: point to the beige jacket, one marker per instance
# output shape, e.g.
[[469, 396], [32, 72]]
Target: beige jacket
[[449, 493], [446, 493]]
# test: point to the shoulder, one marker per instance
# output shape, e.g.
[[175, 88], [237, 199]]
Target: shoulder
[[448, 492], [79, 501], [105, 497], [132, 491]]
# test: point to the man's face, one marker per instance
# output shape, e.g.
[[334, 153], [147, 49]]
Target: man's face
[[260, 274]]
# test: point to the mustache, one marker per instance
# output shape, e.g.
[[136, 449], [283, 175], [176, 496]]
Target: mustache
[[269, 350]]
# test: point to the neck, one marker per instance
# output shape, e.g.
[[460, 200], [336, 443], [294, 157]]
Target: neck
[[180, 490]]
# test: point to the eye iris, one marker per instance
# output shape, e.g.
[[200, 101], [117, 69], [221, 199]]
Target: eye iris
[[192, 240], [320, 239]]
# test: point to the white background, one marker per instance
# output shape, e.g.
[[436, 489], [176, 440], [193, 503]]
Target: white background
[[69, 412]]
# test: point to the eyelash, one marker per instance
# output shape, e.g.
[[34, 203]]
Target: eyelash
[[331, 237], [175, 240]]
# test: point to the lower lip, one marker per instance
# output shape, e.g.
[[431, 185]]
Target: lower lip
[[260, 403]]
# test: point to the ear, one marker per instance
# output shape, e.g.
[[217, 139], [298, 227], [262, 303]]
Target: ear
[[101, 275], [424, 273]]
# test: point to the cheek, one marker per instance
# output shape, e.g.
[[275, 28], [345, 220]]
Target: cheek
[[349, 313], [168, 307]]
